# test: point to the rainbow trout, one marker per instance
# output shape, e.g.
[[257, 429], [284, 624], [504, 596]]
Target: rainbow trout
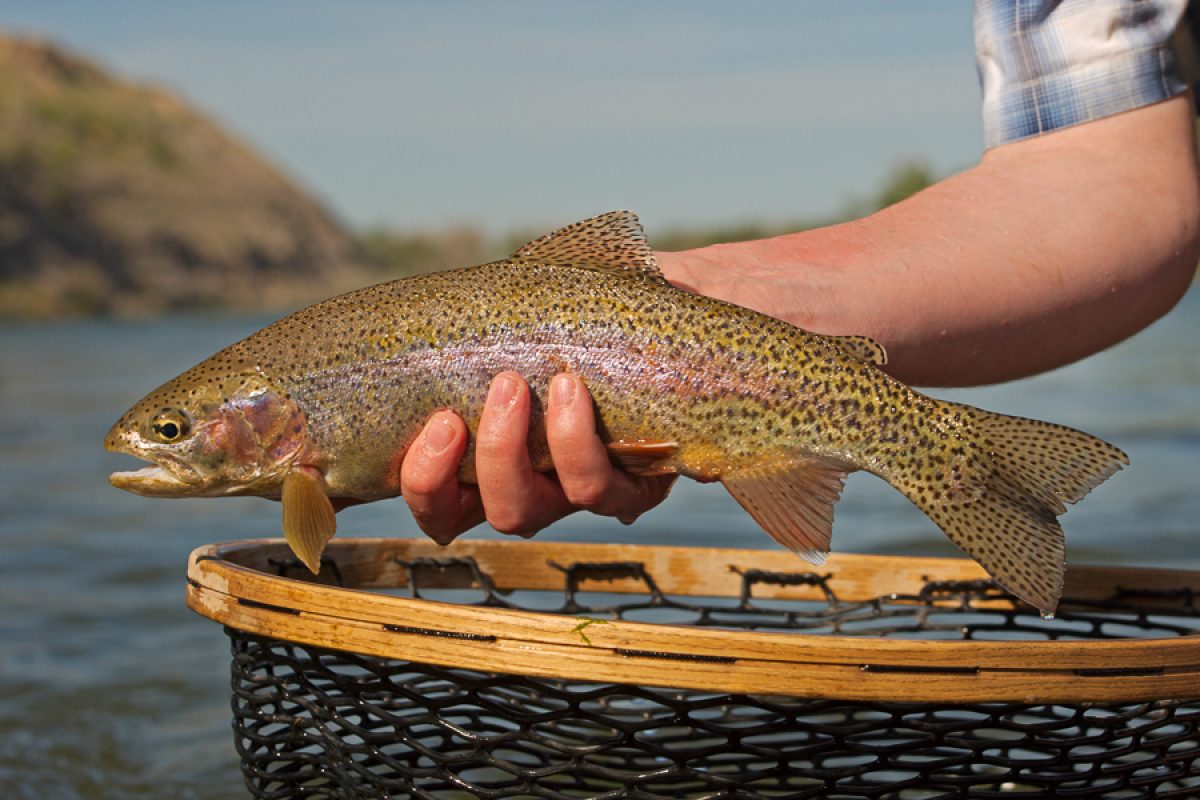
[[325, 402]]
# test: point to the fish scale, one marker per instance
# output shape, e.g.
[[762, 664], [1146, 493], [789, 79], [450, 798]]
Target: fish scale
[[325, 402]]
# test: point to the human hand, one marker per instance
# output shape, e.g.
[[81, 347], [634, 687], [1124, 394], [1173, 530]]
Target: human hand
[[510, 495]]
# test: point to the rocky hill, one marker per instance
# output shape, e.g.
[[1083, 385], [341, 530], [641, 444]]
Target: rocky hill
[[119, 198]]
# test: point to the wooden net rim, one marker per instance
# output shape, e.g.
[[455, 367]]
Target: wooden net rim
[[232, 583]]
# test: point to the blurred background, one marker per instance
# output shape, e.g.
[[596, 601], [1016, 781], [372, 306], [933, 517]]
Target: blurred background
[[196, 155], [175, 176]]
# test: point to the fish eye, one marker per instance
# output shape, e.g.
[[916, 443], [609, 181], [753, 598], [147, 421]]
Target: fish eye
[[170, 426]]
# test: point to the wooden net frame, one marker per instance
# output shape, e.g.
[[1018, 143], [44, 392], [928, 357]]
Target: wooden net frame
[[523, 669]]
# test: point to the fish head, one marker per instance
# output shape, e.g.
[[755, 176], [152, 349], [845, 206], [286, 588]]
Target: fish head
[[209, 434]]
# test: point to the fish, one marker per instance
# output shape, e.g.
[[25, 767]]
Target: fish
[[318, 409]]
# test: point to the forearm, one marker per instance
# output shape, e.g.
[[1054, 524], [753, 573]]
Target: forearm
[[1050, 249]]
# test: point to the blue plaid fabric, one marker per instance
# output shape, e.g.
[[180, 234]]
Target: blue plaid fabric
[[1047, 64]]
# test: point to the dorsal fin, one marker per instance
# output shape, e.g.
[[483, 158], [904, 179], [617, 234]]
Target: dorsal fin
[[612, 242], [862, 348]]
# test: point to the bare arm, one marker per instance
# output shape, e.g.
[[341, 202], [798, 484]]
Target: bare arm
[[1051, 249]]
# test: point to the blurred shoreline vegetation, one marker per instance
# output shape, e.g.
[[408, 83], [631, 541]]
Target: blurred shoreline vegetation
[[396, 253], [904, 180], [118, 199]]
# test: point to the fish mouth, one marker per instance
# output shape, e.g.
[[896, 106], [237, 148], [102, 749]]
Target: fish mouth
[[166, 476], [170, 477]]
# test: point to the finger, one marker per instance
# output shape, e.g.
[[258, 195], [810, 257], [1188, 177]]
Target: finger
[[516, 499], [654, 489], [442, 507], [581, 461]]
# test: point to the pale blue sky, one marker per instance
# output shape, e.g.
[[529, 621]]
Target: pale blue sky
[[538, 113]]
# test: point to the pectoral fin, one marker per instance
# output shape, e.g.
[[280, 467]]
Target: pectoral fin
[[792, 500], [308, 519]]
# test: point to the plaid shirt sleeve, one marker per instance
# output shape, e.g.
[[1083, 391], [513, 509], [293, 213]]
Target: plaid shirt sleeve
[[1047, 64]]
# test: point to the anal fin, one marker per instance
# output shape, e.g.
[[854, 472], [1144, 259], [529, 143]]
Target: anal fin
[[308, 517], [792, 500], [643, 457]]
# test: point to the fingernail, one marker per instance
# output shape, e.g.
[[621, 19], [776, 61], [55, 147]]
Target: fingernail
[[562, 390], [438, 436], [504, 391]]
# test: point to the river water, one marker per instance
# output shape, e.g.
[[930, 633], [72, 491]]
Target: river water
[[111, 688]]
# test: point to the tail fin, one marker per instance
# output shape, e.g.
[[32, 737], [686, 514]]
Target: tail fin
[[1053, 463], [1008, 524]]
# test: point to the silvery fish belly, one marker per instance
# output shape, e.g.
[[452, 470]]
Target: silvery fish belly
[[323, 404]]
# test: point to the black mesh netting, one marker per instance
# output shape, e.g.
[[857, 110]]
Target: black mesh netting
[[317, 723]]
